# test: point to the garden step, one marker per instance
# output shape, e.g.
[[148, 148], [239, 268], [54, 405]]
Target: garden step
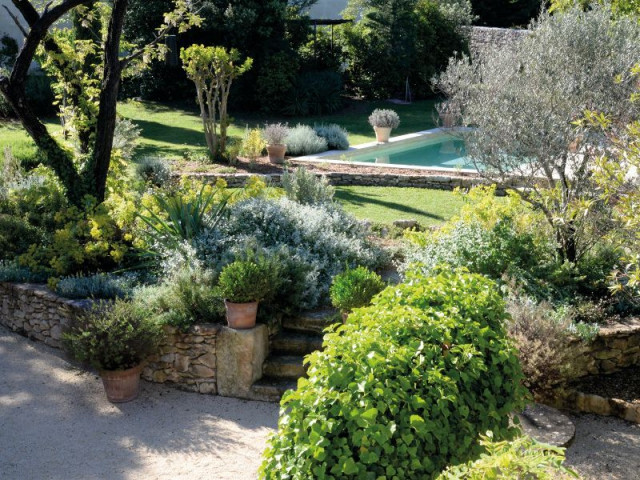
[[287, 366], [271, 389], [296, 343], [315, 321]]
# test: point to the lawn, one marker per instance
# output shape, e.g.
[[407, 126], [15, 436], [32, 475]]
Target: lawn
[[386, 204], [171, 130]]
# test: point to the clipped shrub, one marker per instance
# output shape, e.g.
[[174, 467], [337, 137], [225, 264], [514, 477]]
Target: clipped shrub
[[114, 336], [384, 118], [250, 280], [354, 288], [306, 187], [335, 135], [405, 388], [100, 285], [303, 140], [153, 170], [519, 458]]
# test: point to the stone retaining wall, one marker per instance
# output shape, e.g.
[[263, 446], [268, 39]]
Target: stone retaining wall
[[186, 360], [616, 347], [484, 38], [36, 312], [441, 182]]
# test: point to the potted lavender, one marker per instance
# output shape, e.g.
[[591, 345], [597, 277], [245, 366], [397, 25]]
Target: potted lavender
[[275, 134]]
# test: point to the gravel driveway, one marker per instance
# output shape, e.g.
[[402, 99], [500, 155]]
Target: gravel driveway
[[56, 424]]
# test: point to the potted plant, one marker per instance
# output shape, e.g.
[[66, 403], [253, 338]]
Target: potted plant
[[447, 114], [275, 135], [383, 121], [354, 288], [115, 338], [243, 284]]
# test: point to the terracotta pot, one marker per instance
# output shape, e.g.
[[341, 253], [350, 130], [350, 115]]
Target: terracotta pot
[[241, 315], [276, 152], [382, 134], [345, 316], [121, 385]]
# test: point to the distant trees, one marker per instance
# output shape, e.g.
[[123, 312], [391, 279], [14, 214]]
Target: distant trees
[[506, 13]]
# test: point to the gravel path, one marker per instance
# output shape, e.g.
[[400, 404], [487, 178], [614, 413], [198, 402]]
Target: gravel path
[[56, 424]]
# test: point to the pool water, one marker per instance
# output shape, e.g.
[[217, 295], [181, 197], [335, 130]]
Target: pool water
[[442, 151]]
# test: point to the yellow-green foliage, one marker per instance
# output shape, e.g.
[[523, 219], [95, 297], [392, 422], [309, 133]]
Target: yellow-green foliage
[[253, 143], [482, 206], [513, 460], [84, 240]]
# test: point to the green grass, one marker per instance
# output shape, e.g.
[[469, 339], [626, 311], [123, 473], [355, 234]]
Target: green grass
[[171, 130], [386, 204]]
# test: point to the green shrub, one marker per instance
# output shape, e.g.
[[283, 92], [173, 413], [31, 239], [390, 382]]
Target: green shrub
[[16, 236], [306, 187], [12, 271], [314, 93], [250, 280], [114, 336], [335, 135], [521, 458], [153, 171], [186, 297], [405, 388], [302, 140], [354, 288]]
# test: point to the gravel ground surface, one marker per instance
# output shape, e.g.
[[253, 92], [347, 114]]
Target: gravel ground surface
[[56, 424]]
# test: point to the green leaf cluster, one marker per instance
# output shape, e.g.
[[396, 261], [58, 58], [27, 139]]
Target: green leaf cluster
[[114, 336], [249, 280], [405, 388], [355, 288]]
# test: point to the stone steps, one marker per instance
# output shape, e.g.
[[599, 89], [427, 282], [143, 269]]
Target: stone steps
[[295, 343], [314, 322], [271, 389], [284, 366], [299, 337]]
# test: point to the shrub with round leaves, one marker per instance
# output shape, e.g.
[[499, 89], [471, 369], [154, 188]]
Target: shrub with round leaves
[[405, 388]]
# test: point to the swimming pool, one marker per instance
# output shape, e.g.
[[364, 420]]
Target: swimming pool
[[433, 149]]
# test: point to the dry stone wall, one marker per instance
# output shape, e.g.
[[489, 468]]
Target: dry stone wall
[[485, 38], [36, 312]]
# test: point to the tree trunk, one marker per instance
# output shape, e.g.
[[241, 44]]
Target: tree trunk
[[98, 167]]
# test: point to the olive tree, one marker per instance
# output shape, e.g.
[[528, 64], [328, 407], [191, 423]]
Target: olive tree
[[525, 103], [213, 70]]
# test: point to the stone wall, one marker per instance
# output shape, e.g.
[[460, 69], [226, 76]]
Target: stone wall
[[36, 312], [441, 182], [186, 360], [483, 38], [616, 347]]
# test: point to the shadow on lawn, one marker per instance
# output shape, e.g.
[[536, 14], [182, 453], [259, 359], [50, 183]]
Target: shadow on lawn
[[364, 199]]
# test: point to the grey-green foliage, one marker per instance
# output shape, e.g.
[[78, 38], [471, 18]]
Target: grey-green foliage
[[100, 285], [12, 271], [125, 137], [153, 170], [335, 135], [303, 140], [307, 188], [525, 100]]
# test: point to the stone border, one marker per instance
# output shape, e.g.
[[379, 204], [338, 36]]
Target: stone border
[[591, 403], [208, 358]]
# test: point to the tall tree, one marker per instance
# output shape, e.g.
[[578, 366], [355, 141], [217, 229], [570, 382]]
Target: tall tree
[[81, 176]]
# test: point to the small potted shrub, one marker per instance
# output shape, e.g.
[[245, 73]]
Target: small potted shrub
[[354, 288], [275, 134], [383, 121], [115, 339], [243, 284]]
